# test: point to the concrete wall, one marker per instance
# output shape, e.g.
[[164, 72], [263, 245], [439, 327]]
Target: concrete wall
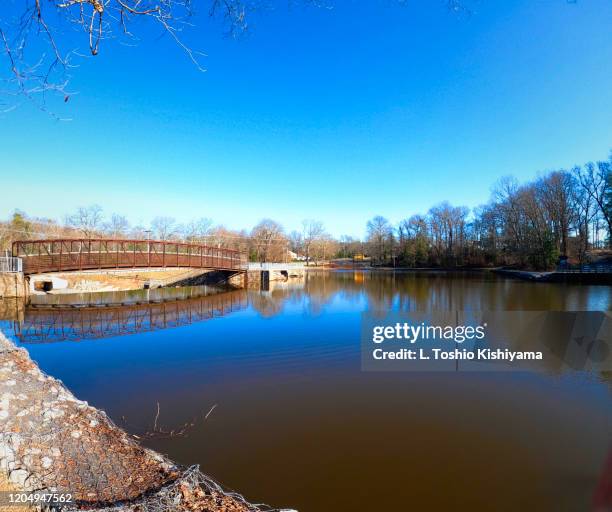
[[13, 284], [261, 279], [57, 283]]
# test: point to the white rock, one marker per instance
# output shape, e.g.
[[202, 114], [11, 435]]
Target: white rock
[[19, 477], [52, 414]]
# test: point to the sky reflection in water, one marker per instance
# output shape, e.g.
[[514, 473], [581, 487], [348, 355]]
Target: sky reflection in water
[[298, 423]]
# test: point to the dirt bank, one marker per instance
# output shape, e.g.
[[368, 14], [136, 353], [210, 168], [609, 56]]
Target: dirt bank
[[50, 440]]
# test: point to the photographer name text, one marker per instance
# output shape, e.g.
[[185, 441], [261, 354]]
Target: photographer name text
[[456, 334]]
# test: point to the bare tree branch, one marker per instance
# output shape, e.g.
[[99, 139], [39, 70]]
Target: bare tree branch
[[101, 20]]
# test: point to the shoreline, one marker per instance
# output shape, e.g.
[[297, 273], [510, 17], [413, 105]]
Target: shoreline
[[56, 298], [599, 278], [52, 441], [551, 276]]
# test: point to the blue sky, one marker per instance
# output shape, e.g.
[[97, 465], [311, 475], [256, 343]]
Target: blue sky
[[335, 114]]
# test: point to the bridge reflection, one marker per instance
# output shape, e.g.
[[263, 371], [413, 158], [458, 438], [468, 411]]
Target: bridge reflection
[[48, 325]]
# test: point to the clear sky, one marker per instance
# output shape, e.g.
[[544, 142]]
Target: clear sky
[[334, 114]]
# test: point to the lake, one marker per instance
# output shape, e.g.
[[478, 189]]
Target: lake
[[293, 421]]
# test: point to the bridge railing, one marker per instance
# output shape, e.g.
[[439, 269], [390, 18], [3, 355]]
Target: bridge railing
[[58, 255]]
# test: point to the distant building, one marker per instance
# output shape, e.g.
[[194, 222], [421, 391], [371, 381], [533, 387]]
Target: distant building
[[294, 256]]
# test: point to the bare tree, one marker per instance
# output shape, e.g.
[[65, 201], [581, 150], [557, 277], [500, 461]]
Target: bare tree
[[38, 67], [197, 230], [448, 229], [413, 240], [487, 233], [556, 192], [268, 241], [138, 232], [596, 181], [34, 71], [324, 248], [296, 242], [312, 231], [164, 227], [584, 213], [380, 238], [88, 220], [526, 225], [118, 226], [348, 246]]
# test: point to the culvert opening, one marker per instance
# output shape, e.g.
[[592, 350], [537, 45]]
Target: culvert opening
[[43, 286]]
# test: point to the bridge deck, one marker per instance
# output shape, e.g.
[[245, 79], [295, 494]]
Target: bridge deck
[[41, 256]]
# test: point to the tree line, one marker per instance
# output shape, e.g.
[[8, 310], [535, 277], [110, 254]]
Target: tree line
[[559, 217], [267, 241], [563, 215]]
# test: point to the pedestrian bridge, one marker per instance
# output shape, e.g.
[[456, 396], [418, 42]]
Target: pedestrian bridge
[[60, 255]]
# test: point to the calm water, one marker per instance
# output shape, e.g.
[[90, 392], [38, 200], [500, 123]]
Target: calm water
[[298, 424]]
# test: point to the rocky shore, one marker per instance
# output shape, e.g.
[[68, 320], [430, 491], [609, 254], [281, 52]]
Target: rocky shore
[[51, 441]]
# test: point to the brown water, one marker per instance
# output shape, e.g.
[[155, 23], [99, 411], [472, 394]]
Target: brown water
[[297, 422]]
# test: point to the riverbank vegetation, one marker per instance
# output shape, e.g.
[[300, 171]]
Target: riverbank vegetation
[[562, 216]]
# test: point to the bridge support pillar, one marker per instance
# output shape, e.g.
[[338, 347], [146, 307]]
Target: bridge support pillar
[[265, 280]]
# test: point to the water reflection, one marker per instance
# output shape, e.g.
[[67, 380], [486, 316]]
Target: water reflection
[[298, 424], [447, 291], [45, 325]]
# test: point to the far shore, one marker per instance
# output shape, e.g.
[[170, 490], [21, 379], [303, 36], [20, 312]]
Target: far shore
[[90, 282], [541, 276]]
